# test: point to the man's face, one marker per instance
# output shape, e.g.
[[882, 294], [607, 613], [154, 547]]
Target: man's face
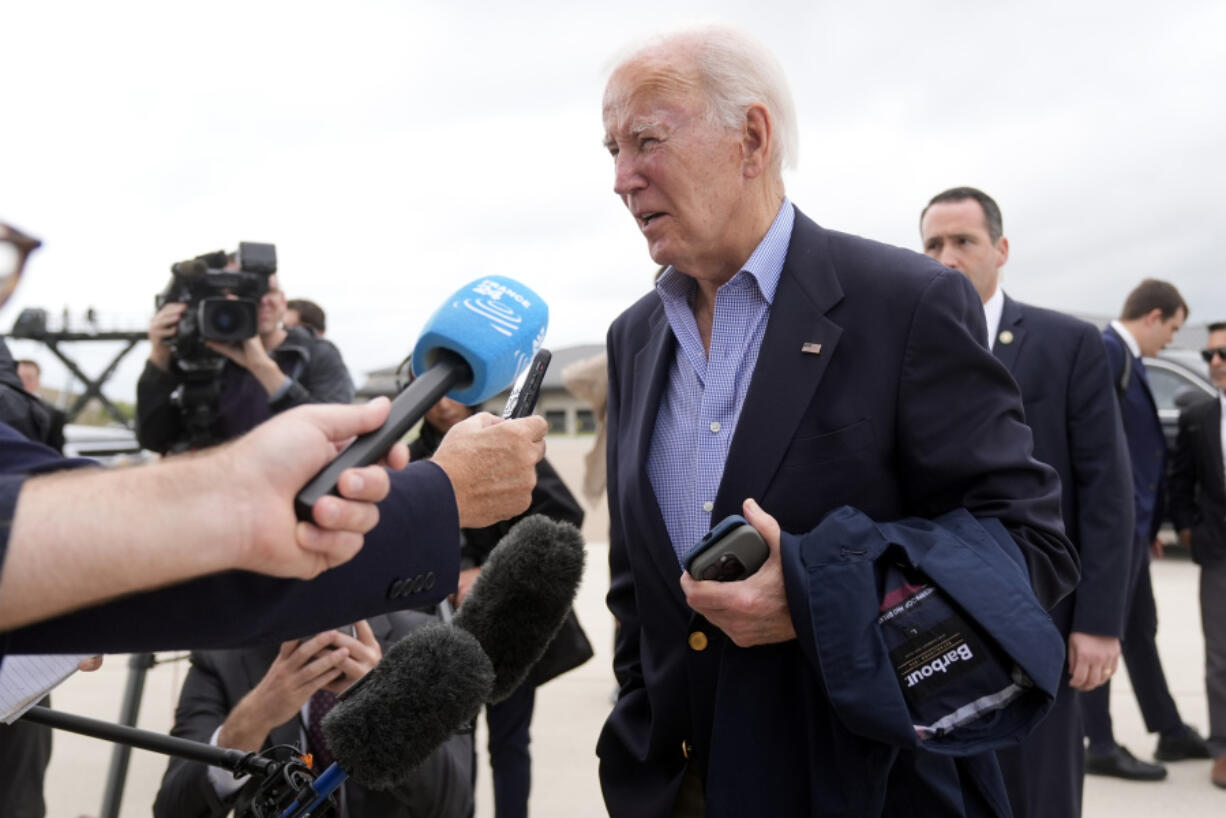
[[30, 377], [1217, 366], [956, 234], [272, 307], [446, 413], [679, 175], [1157, 333]]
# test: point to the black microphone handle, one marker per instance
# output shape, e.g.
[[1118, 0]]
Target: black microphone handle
[[234, 760], [409, 407]]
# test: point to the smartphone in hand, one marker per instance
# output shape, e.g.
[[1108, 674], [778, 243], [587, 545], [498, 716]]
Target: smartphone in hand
[[527, 388], [730, 551]]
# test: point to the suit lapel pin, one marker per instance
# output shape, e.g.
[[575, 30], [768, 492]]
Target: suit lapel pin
[[810, 348], [1006, 337]]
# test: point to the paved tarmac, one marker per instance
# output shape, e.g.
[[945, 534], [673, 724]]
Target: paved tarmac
[[571, 709]]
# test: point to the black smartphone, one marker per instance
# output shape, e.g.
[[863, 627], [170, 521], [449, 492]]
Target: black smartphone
[[730, 551], [527, 388]]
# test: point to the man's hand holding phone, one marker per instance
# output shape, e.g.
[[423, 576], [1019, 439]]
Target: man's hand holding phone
[[753, 610], [331, 661]]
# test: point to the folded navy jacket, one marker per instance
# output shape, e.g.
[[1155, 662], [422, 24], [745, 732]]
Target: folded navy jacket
[[926, 632]]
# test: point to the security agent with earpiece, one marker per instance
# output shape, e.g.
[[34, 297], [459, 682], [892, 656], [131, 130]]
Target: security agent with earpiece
[[216, 370], [1060, 365]]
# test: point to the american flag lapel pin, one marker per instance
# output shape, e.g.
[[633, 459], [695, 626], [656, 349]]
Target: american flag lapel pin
[[810, 348]]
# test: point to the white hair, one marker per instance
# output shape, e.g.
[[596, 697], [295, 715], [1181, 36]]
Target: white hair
[[736, 70]]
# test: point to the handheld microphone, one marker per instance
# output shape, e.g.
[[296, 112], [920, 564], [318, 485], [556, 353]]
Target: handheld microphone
[[470, 350], [522, 596]]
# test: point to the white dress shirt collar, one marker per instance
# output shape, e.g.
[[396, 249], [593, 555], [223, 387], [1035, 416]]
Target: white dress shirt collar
[[992, 310], [1133, 346]]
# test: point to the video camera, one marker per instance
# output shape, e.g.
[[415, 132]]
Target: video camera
[[223, 300]]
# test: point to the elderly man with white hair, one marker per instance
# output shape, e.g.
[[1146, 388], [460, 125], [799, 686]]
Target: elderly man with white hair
[[784, 371]]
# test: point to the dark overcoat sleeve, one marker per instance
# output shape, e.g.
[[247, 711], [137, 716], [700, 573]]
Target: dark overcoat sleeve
[[158, 422], [1102, 474]]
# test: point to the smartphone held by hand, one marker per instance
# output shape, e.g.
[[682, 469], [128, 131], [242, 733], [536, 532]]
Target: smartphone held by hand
[[730, 551]]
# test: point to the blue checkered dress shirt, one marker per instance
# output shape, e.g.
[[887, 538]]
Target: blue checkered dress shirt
[[702, 401]]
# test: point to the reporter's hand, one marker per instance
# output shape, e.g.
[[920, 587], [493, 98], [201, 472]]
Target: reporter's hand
[[491, 464], [162, 328], [752, 611], [364, 653], [90, 664], [301, 668], [267, 467], [1092, 659]]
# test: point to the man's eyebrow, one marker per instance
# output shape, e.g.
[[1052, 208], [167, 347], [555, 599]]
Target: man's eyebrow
[[644, 125]]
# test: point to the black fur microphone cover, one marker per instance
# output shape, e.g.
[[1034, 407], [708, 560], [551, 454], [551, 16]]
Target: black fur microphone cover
[[522, 596], [427, 686]]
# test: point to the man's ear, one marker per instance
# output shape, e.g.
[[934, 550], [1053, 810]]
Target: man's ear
[[757, 140], [1002, 249], [1154, 317]]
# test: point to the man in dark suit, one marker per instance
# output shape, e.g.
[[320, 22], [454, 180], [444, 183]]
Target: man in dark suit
[[809, 370], [257, 698], [1061, 367], [1198, 507], [1152, 313]]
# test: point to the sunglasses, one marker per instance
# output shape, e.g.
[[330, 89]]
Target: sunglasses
[[1208, 354]]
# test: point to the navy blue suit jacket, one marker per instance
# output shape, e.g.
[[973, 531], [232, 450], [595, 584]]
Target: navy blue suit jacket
[[1060, 365], [410, 560], [1146, 443], [903, 413]]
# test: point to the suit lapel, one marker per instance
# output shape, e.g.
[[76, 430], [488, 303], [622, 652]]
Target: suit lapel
[[1010, 321], [650, 373], [785, 377]]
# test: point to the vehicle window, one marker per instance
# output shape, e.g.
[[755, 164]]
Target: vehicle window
[[1167, 385]]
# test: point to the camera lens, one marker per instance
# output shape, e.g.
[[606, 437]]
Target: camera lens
[[228, 320], [223, 320]]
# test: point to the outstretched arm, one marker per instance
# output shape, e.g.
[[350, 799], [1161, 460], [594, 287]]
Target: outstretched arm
[[76, 539]]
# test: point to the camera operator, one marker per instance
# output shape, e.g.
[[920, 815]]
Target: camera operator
[[273, 370]]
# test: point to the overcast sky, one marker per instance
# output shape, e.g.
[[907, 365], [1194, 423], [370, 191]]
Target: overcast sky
[[395, 150]]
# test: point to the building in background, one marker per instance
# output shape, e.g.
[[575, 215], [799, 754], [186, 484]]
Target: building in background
[[566, 414]]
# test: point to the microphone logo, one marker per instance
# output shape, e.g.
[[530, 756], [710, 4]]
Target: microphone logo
[[503, 317]]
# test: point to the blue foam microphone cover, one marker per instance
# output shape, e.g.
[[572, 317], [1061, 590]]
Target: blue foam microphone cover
[[495, 324]]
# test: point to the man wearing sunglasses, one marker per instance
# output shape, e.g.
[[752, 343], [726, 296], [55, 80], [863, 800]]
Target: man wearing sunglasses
[[1198, 507]]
